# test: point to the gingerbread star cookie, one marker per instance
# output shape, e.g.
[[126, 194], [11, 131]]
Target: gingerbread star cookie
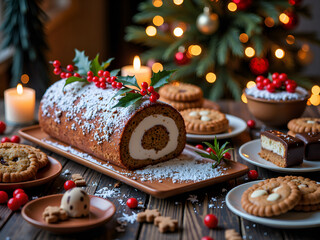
[[271, 197], [148, 215], [204, 121]]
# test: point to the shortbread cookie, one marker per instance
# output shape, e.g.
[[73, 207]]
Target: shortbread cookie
[[300, 125], [310, 190], [148, 215], [181, 92], [307, 208], [270, 198], [78, 180], [183, 105], [166, 224], [204, 121], [231, 234], [17, 164], [54, 214]]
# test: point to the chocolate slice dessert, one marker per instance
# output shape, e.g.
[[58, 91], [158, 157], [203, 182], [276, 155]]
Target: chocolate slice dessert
[[311, 145]]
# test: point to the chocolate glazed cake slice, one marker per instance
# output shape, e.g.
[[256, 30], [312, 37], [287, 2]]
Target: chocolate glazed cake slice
[[281, 149]]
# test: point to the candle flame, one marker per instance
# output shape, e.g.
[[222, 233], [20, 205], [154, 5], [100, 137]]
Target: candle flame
[[136, 63], [19, 89]]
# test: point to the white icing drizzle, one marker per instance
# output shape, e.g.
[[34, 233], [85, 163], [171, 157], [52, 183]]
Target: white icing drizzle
[[300, 93], [94, 104], [193, 114], [302, 185], [203, 113], [276, 189], [258, 193], [273, 197], [205, 118]]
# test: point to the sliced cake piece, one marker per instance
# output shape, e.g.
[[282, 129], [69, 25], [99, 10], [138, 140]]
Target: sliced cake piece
[[311, 145], [281, 149]]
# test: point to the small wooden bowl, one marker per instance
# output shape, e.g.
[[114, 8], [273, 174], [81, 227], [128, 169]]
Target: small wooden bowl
[[275, 113]]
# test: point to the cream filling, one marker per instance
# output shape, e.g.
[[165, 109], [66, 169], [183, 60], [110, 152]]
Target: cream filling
[[273, 146], [136, 150]]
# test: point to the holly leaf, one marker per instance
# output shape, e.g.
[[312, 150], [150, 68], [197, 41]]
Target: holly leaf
[[128, 81], [122, 91], [161, 78], [81, 61], [128, 99], [106, 64], [95, 65], [114, 72], [72, 80]]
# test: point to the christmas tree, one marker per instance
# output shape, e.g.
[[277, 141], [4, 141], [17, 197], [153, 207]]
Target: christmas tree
[[221, 45]]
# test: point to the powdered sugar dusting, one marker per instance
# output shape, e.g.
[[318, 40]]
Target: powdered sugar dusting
[[128, 218], [300, 93]]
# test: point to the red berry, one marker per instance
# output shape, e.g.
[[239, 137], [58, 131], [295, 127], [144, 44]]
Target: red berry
[[3, 127], [271, 88], [103, 85], [3, 197], [68, 185], [293, 83], [106, 74], [56, 63], [275, 76], [144, 85], [259, 78], [95, 79], [102, 79], [70, 68], [90, 74], [89, 79], [63, 75], [252, 174], [132, 203], [211, 221], [109, 79], [19, 190], [113, 78], [266, 81], [76, 75], [57, 71], [150, 89], [15, 139], [277, 83], [291, 88], [209, 150], [5, 139], [13, 204], [283, 77], [100, 73], [143, 92], [157, 95], [199, 146], [114, 84], [251, 123], [207, 238], [68, 75], [22, 198], [119, 84], [97, 84], [227, 155], [153, 98], [260, 85]]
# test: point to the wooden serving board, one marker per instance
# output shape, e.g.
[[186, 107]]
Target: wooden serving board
[[163, 189]]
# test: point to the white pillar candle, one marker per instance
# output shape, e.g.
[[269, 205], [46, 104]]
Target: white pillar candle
[[142, 73], [19, 105]]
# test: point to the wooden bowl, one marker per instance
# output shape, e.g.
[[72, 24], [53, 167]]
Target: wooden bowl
[[275, 113]]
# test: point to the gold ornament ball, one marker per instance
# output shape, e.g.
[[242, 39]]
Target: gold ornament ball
[[207, 22]]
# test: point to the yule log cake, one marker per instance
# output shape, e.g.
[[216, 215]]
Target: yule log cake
[[132, 137]]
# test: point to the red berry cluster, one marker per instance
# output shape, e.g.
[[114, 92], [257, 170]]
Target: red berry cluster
[[279, 81], [19, 199], [13, 139], [102, 79], [149, 90], [66, 73], [210, 150]]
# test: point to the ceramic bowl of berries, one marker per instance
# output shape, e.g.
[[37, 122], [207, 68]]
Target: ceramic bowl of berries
[[276, 100]]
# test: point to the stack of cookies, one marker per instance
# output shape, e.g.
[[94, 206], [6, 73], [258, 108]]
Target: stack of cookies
[[303, 125], [276, 196], [181, 95], [20, 162]]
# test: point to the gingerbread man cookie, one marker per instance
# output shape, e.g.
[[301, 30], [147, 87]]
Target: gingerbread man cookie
[[148, 215], [78, 180], [53, 214], [166, 224], [231, 234]]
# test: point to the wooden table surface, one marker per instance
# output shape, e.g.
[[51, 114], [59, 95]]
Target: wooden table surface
[[189, 214]]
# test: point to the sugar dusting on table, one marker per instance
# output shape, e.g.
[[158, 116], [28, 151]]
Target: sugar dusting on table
[[187, 167]]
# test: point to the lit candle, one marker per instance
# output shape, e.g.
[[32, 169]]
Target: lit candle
[[19, 105], [142, 73]]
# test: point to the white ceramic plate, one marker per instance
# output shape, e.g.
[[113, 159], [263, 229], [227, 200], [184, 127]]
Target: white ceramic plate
[[285, 221], [249, 152], [236, 126]]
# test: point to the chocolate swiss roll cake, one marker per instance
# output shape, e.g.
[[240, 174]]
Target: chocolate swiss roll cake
[[132, 137], [281, 149]]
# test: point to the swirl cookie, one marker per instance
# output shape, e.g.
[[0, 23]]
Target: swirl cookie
[[204, 121], [181, 92], [17, 164], [301, 125], [270, 198]]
